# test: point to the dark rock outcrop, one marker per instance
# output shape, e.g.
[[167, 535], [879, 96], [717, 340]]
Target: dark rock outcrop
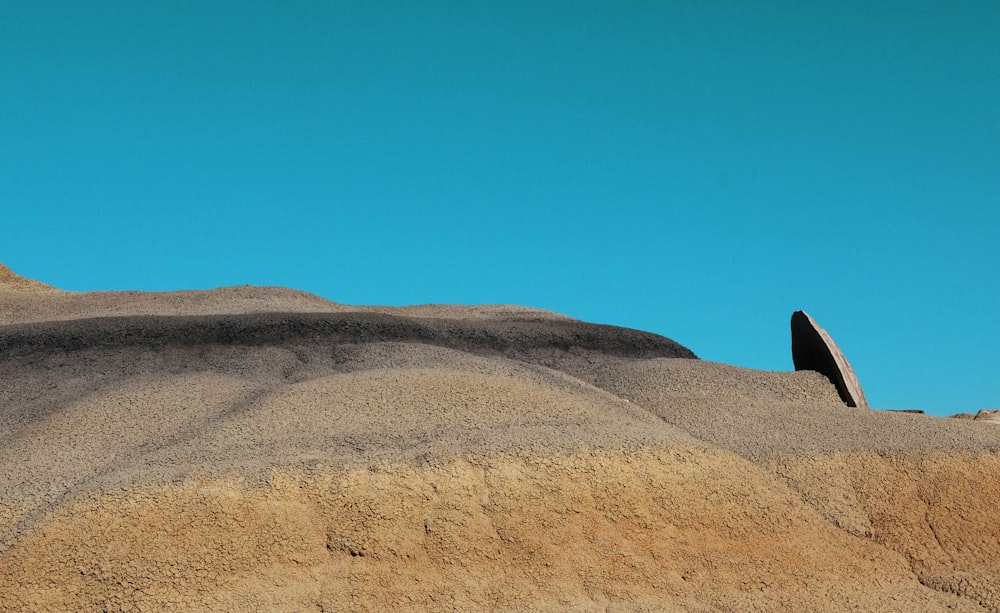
[[814, 349]]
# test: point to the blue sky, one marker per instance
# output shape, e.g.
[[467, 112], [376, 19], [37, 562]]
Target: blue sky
[[696, 169]]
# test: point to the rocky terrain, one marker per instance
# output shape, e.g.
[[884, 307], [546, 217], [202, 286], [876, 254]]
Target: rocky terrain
[[264, 449]]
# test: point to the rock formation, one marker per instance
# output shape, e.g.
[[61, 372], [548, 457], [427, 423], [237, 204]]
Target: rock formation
[[814, 349], [262, 449], [989, 416]]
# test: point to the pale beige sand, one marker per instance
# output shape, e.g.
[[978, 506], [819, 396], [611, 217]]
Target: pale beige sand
[[455, 458], [25, 300]]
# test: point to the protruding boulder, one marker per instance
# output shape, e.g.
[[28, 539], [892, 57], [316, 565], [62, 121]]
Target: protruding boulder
[[814, 349], [988, 416]]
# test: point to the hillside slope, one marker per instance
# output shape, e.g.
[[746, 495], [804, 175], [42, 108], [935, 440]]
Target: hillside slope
[[264, 449]]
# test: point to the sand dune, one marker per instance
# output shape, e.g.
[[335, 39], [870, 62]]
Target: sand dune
[[264, 449]]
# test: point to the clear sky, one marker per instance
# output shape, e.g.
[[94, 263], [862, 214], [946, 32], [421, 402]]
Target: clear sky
[[699, 169]]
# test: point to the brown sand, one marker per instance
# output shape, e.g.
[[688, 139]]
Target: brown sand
[[263, 449]]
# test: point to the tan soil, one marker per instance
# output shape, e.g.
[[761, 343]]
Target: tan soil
[[11, 282], [24, 300], [490, 458]]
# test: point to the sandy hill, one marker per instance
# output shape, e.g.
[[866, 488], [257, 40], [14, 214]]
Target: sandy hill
[[264, 449]]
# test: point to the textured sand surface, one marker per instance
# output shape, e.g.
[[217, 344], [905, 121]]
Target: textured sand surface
[[25, 300], [264, 449]]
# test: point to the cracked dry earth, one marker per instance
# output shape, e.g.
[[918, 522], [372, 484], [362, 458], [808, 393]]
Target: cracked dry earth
[[250, 449]]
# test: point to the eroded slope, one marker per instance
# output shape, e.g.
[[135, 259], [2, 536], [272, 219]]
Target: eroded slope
[[459, 458]]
